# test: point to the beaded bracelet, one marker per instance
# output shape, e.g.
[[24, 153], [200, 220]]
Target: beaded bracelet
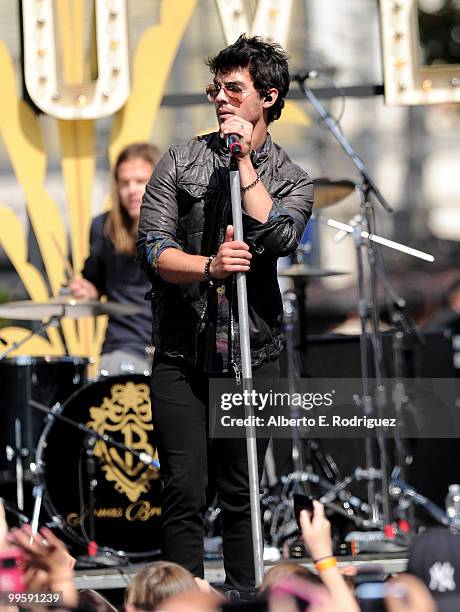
[[326, 564], [251, 185], [207, 269]]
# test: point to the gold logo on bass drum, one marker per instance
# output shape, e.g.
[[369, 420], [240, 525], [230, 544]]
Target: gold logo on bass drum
[[127, 412]]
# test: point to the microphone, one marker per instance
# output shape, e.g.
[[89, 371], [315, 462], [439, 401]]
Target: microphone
[[303, 75], [233, 143]]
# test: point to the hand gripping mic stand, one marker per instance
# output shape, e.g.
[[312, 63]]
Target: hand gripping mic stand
[[246, 367]]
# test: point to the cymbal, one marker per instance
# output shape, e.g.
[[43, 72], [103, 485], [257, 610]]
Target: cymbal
[[327, 192], [305, 271], [64, 306]]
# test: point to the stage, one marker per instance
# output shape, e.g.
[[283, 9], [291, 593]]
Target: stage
[[120, 577]]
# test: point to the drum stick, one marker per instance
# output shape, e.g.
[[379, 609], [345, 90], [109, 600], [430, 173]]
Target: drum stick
[[65, 260]]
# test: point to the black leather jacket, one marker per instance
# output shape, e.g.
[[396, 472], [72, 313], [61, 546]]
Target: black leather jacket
[[187, 206]]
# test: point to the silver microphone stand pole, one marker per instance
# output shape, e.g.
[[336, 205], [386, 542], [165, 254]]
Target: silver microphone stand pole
[[246, 367]]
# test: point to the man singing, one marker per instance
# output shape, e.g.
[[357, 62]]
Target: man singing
[[186, 247]]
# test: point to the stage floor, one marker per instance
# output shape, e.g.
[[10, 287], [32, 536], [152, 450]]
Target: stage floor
[[119, 577]]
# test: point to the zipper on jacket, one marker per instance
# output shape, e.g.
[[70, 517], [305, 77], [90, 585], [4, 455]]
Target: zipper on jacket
[[200, 325], [232, 360]]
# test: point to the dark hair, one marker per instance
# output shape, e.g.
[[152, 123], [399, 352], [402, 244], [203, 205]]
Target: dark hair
[[267, 65]]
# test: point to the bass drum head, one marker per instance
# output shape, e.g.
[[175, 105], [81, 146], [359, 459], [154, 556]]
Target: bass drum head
[[127, 509]]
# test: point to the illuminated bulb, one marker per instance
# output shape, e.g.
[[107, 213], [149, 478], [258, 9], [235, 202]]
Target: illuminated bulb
[[427, 84], [41, 52], [81, 100], [272, 13], [400, 63], [42, 78], [114, 43]]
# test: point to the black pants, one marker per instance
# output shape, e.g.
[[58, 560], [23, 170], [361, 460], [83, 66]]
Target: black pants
[[191, 462]]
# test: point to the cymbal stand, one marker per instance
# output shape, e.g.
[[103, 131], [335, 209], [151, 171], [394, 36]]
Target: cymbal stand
[[283, 525], [52, 322], [294, 309], [19, 464], [402, 326], [290, 312]]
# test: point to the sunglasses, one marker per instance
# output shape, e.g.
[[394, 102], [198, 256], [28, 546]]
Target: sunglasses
[[233, 92]]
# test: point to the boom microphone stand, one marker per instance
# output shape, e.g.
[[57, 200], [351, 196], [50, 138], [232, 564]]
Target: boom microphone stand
[[368, 187], [367, 309], [246, 366]]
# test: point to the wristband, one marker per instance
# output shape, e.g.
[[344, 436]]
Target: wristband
[[251, 185], [322, 558], [326, 564], [207, 270]]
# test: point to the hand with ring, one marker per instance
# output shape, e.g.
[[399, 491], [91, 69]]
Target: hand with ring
[[243, 129]]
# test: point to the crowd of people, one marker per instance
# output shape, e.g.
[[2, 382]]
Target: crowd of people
[[428, 586]]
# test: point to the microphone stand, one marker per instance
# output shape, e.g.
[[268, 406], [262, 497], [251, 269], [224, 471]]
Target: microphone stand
[[365, 310], [246, 367], [368, 186]]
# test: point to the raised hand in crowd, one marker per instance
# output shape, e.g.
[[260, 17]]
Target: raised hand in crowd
[[49, 564], [406, 593], [316, 532]]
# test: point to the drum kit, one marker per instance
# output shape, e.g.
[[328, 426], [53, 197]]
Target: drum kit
[[86, 449], [56, 422], [47, 465]]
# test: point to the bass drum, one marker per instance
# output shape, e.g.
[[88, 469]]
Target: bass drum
[[45, 379], [127, 509]]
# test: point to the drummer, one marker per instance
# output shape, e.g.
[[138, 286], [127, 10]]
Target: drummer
[[110, 269]]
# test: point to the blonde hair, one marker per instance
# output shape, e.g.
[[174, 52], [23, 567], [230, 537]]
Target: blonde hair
[[157, 582], [119, 226]]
